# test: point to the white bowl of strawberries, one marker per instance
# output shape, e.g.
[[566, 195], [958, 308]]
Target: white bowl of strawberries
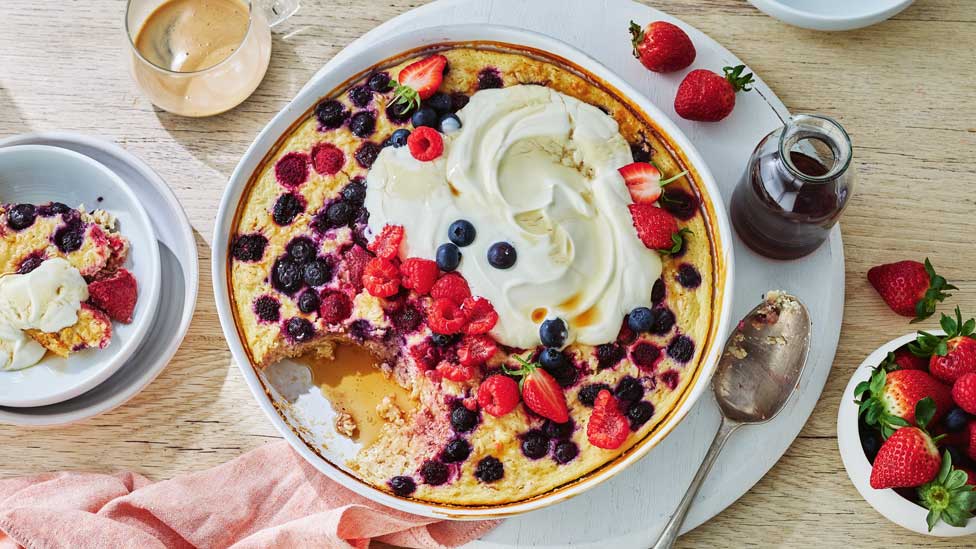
[[907, 429]]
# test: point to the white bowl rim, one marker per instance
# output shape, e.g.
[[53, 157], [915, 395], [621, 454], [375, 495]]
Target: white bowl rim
[[887, 502], [810, 19], [419, 38], [142, 324]]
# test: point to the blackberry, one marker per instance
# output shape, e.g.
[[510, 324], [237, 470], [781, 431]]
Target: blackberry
[[440, 102], [681, 348], [52, 209], [640, 320], [489, 469], [459, 101], [398, 113], [363, 124], [286, 209], [448, 257], [461, 233], [248, 247], [355, 191], [641, 152], [609, 355], [308, 301], [557, 431], [489, 78], [331, 114], [433, 472], [402, 486], [587, 395], [286, 276], [267, 308], [662, 321], [21, 216], [553, 332], [69, 237], [463, 420], [645, 355], [639, 413], [688, 276], [629, 390], [379, 82], [361, 95], [29, 263], [301, 249], [565, 451], [535, 444], [299, 329], [360, 330], [502, 255], [657, 292], [316, 272], [456, 450], [366, 153], [407, 319], [679, 203]]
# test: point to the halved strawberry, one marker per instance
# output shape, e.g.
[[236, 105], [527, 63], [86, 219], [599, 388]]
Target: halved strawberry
[[644, 181], [540, 392], [419, 80], [608, 427]]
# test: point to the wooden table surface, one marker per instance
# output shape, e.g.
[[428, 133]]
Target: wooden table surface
[[903, 89]]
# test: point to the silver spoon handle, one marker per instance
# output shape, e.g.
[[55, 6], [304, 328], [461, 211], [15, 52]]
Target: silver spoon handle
[[670, 533]]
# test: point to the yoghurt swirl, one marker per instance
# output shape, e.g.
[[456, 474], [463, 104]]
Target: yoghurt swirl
[[537, 169]]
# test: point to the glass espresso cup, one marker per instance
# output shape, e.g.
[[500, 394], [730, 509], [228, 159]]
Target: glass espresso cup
[[201, 57]]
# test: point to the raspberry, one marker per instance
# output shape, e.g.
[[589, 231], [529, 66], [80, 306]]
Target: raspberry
[[964, 392], [971, 448], [587, 395], [498, 395], [479, 314], [291, 170], [455, 372], [381, 277], [387, 244], [475, 350], [445, 317], [608, 428], [645, 355], [425, 144], [327, 159], [425, 354], [116, 295], [335, 307], [353, 266], [451, 286], [419, 275]]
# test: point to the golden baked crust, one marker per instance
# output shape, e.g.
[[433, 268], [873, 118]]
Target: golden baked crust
[[401, 450]]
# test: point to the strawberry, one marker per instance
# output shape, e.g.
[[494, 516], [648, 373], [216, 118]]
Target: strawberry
[[644, 181], [425, 144], [656, 228], [419, 274], [608, 427], [419, 80], [498, 395], [889, 399], [949, 496], [451, 286], [971, 445], [908, 458], [964, 392], [905, 360], [455, 372], [381, 277], [475, 350], [445, 317], [910, 288], [540, 391], [387, 244], [662, 47], [116, 295], [953, 354], [708, 97], [480, 315]]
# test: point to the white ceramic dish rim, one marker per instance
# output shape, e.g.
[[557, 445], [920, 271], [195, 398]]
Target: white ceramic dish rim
[[355, 64], [812, 20], [56, 139], [151, 286], [887, 502]]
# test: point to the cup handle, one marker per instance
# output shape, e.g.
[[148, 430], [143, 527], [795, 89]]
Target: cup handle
[[277, 11]]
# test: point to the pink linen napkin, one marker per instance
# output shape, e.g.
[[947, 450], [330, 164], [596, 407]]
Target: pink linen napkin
[[269, 497]]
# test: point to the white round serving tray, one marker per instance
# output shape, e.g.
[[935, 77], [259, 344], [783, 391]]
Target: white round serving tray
[[179, 281], [632, 508]]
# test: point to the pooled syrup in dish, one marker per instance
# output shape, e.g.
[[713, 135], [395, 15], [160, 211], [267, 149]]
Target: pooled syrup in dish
[[354, 384]]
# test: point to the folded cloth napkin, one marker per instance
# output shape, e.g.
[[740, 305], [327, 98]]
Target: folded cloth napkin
[[269, 497]]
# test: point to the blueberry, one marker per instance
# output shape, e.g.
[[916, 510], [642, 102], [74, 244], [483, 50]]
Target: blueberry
[[681, 348], [444, 340], [355, 192], [331, 114], [362, 124], [629, 390], [501, 255], [456, 450], [248, 247], [688, 276], [308, 301], [958, 458], [870, 443], [448, 123], [489, 78], [553, 332], [587, 395], [70, 237], [639, 413], [662, 321], [379, 82], [535, 444], [640, 320], [402, 486], [956, 420], [299, 329], [301, 249], [679, 203], [338, 214], [641, 152], [399, 138], [463, 420], [52, 208], [286, 276], [553, 359], [609, 355], [448, 257], [557, 431], [286, 208], [366, 154], [21, 216], [489, 469], [433, 472], [361, 95], [267, 308], [657, 292], [565, 451], [440, 102], [461, 232], [425, 116], [360, 329], [316, 272]]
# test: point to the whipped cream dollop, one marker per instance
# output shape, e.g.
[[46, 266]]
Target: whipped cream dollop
[[46, 299], [537, 169]]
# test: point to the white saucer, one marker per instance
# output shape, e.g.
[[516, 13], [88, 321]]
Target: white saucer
[[177, 289], [37, 174], [831, 15]]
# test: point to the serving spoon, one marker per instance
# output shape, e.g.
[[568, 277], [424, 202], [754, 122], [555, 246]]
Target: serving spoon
[[759, 370]]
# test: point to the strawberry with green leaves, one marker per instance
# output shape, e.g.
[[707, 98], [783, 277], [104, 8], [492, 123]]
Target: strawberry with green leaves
[[657, 228], [952, 355], [419, 80], [949, 497], [909, 457], [540, 391], [910, 288], [889, 399], [644, 181]]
